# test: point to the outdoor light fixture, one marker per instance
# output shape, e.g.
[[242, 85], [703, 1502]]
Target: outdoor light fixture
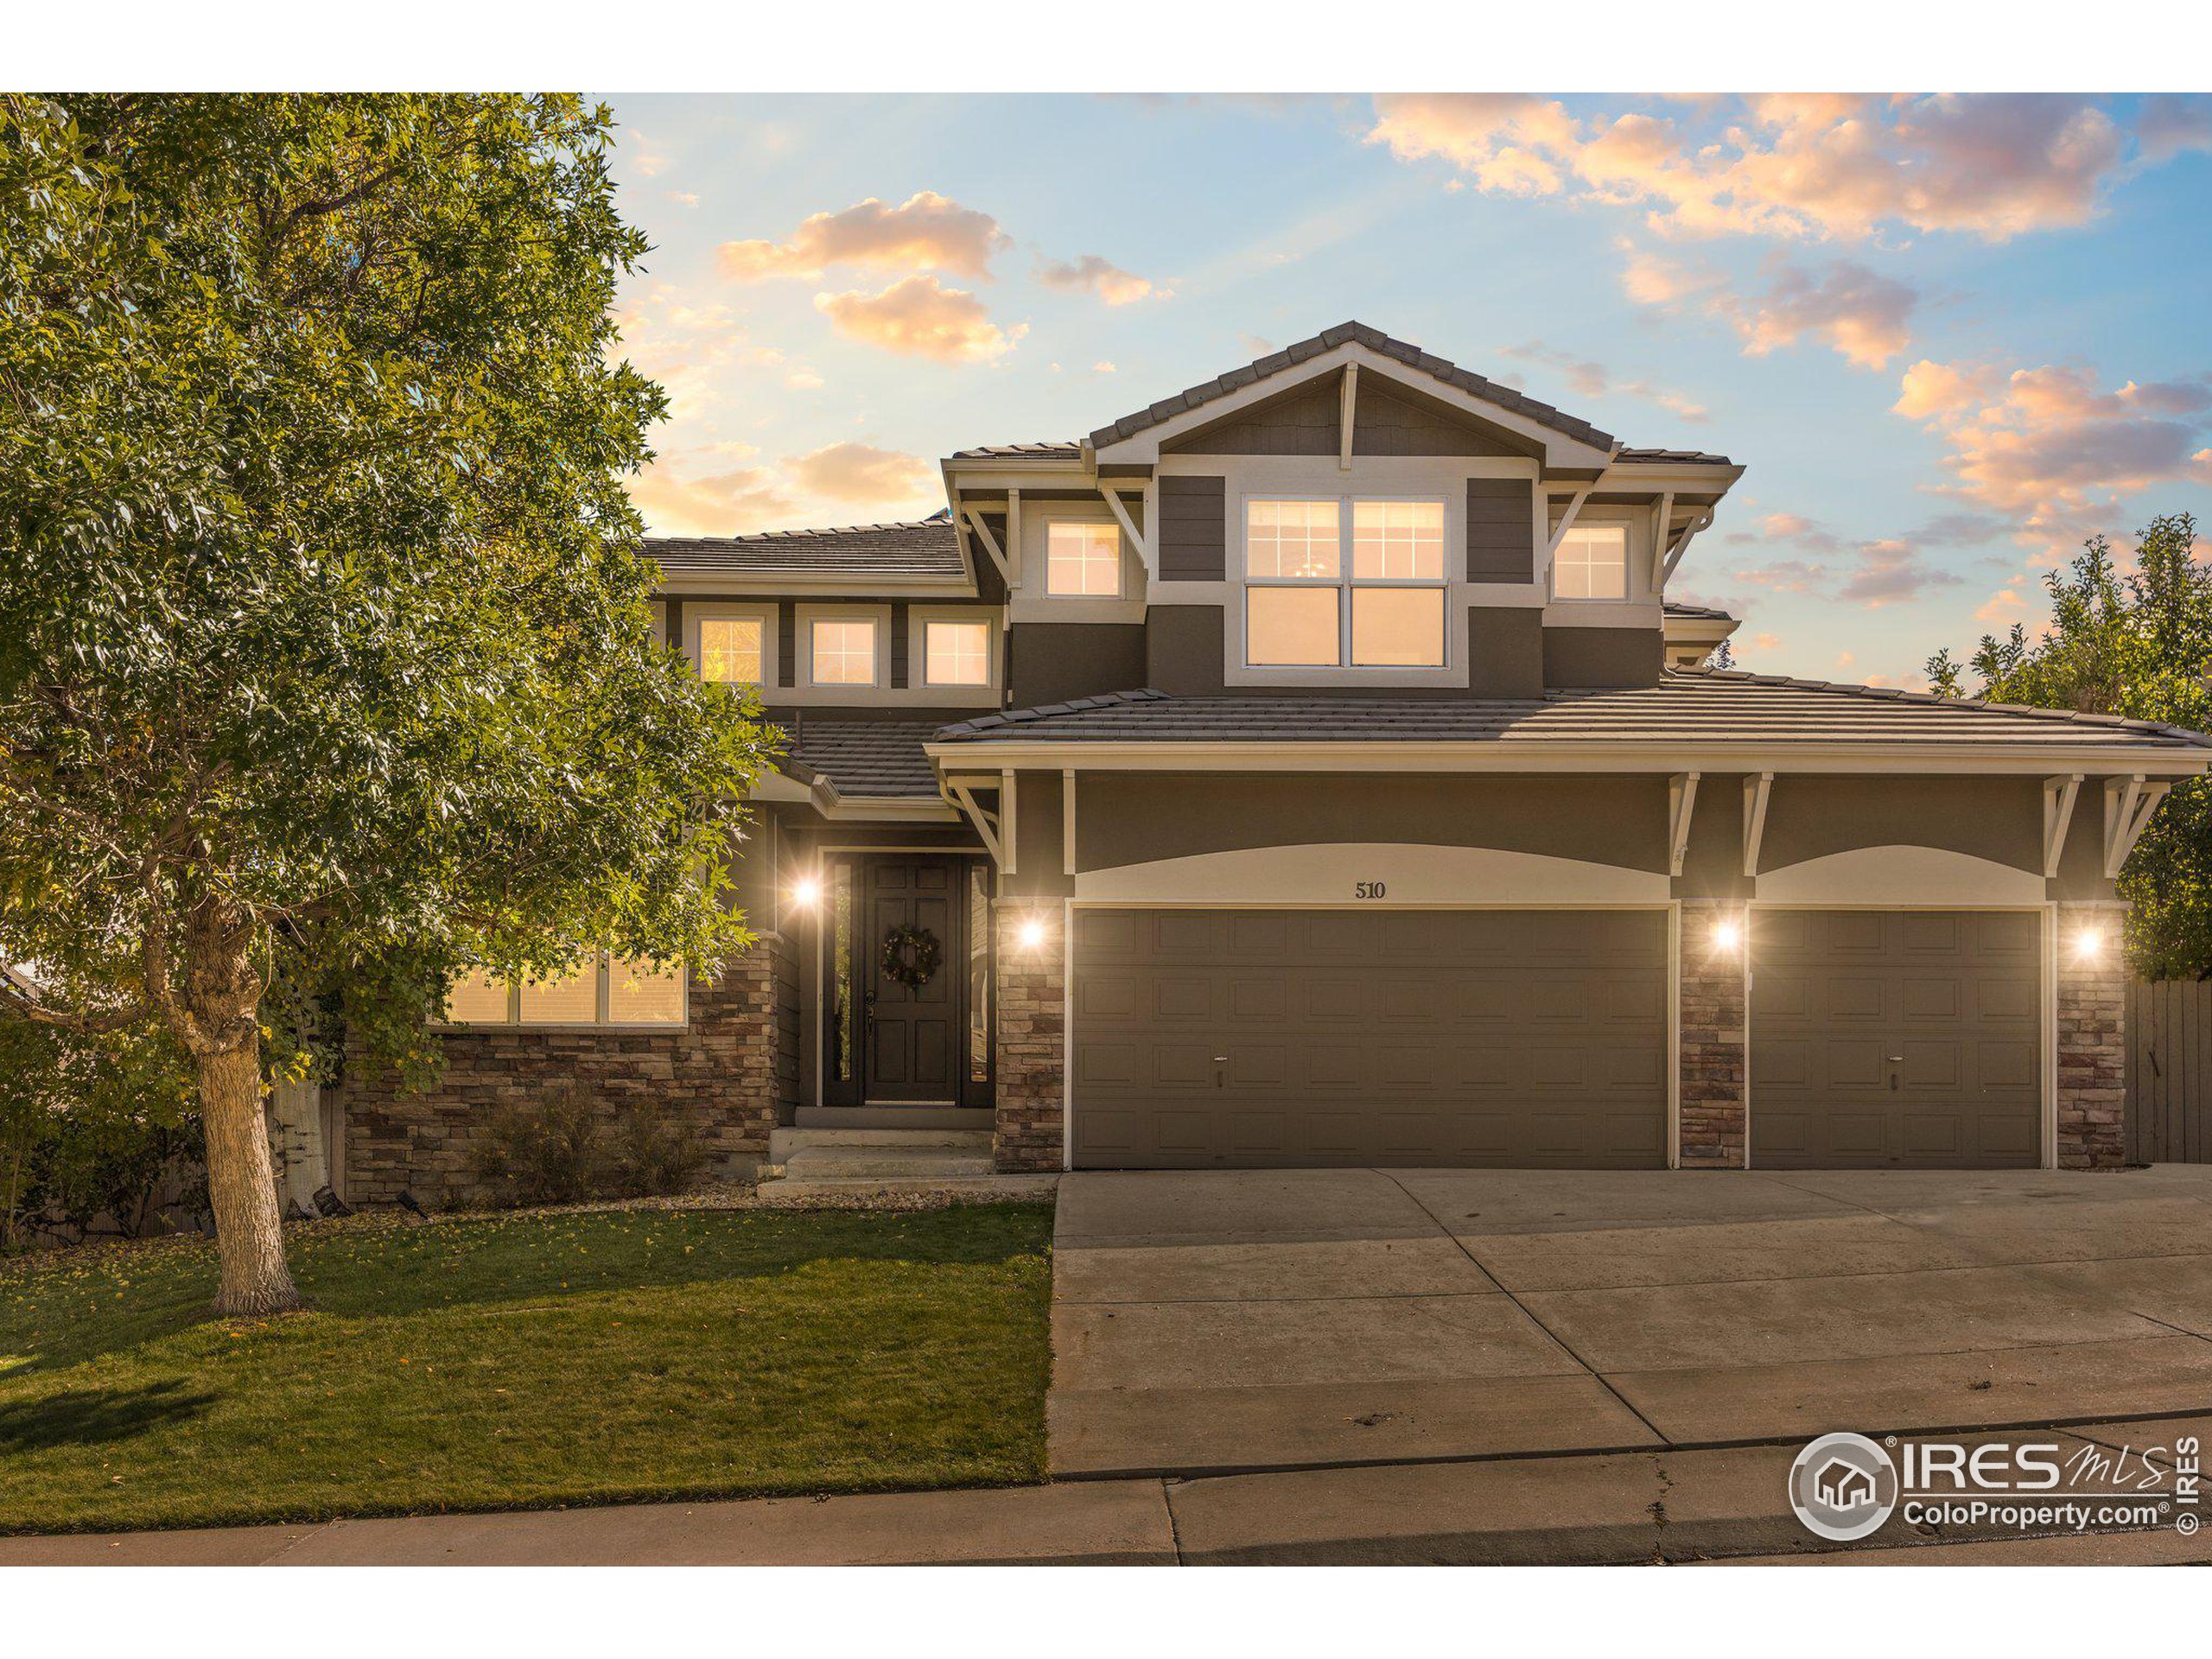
[[1030, 936], [2089, 945], [807, 891], [1727, 934]]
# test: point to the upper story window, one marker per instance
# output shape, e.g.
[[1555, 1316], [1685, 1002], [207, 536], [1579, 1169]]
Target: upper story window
[[843, 652], [1082, 560], [1343, 583], [730, 650], [955, 653], [1593, 564]]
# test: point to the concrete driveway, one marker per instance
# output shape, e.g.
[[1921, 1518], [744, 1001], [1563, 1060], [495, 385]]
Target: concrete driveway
[[1228, 1321]]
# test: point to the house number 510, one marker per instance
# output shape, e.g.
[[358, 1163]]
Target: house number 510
[[1370, 889]]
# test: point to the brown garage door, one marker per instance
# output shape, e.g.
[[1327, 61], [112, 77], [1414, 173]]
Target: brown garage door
[[1207, 1038], [1905, 1038]]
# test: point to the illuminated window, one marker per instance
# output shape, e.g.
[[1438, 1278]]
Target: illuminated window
[[1345, 584], [730, 650], [956, 653], [1083, 561], [616, 992], [1593, 564], [844, 652]]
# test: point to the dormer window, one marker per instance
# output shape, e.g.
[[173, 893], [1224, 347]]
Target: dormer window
[[1081, 561], [1343, 583], [1593, 564]]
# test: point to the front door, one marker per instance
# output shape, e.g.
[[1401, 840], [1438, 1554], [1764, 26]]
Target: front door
[[912, 1016]]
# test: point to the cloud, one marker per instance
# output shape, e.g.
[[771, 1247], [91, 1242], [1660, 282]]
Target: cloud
[[918, 316], [1766, 644], [722, 489], [926, 229], [2173, 122], [1796, 167], [1256, 346], [647, 157], [1091, 274], [857, 472], [1960, 529], [676, 500], [1888, 571], [2047, 448], [700, 353], [1588, 378], [1101, 366], [1862, 315]]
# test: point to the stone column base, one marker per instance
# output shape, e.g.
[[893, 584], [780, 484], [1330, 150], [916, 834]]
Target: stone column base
[[1713, 1066], [2091, 998], [1029, 1134]]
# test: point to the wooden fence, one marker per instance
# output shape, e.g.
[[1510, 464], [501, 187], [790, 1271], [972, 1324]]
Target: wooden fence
[[2170, 1072]]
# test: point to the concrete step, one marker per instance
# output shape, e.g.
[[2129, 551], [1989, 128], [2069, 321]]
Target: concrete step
[[782, 1143]]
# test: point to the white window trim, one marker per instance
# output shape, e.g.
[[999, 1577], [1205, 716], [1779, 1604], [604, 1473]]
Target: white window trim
[[717, 611], [1031, 603], [514, 1022], [1345, 582], [918, 618], [1628, 593], [803, 688], [1070, 521]]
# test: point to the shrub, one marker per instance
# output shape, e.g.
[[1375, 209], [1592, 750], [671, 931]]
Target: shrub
[[544, 1151], [562, 1147], [654, 1151]]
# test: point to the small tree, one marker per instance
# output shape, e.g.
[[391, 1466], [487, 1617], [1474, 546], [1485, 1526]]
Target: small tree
[[2139, 645], [324, 647]]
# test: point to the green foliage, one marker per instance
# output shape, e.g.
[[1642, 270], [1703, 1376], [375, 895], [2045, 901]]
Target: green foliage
[[96, 1133], [2139, 645], [321, 600], [561, 1148]]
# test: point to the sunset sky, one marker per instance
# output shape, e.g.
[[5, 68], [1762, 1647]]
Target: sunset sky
[[1949, 337]]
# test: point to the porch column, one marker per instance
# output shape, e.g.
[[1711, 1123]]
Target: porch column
[[1713, 948], [1032, 1105], [2090, 992]]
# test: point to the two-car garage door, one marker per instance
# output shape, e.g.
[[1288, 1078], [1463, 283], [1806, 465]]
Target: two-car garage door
[[1255, 1038], [1537, 1038]]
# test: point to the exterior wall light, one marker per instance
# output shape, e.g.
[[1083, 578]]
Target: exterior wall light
[[806, 891], [2089, 945], [1727, 935], [1030, 935]]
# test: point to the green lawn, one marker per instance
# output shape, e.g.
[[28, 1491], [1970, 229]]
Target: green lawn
[[529, 1361]]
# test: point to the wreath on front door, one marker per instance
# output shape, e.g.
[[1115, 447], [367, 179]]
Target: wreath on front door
[[910, 956]]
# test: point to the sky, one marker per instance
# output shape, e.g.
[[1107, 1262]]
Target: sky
[[1949, 337]]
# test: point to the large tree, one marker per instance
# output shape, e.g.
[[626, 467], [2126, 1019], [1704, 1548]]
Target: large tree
[[325, 654], [2138, 644]]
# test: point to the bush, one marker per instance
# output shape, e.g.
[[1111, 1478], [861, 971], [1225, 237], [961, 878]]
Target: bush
[[561, 1148], [96, 1135]]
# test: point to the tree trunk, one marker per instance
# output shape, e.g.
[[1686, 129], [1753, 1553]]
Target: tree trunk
[[242, 1186]]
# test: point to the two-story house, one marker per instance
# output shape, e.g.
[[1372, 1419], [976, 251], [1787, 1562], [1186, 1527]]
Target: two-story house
[[1309, 769]]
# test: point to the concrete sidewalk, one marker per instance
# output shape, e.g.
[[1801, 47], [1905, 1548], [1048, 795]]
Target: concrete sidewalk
[[1653, 1507]]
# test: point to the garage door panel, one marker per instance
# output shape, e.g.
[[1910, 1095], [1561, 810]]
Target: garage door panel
[[1348, 1034], [1896, 1038]]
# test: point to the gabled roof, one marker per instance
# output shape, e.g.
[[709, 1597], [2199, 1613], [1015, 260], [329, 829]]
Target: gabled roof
[[1689, 708], [1375, 340], [926, 548]]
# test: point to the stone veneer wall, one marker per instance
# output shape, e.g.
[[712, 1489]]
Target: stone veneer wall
[[1032, 1108], [2092, 1018], [726, 1070], [1714, 1039]]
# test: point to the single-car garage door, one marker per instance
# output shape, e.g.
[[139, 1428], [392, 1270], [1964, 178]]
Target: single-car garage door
[[1286, 1037], [1895, 1038]]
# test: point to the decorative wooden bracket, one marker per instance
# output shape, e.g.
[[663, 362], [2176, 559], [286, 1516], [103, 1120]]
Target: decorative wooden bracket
[[1703, 521], [1346, 415], [2058, 796], [987, 822], [1662, 521], [1142, 545], [1565, 522], [1756, 791], [1681, 801], [990, 544], [2129, 803]]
